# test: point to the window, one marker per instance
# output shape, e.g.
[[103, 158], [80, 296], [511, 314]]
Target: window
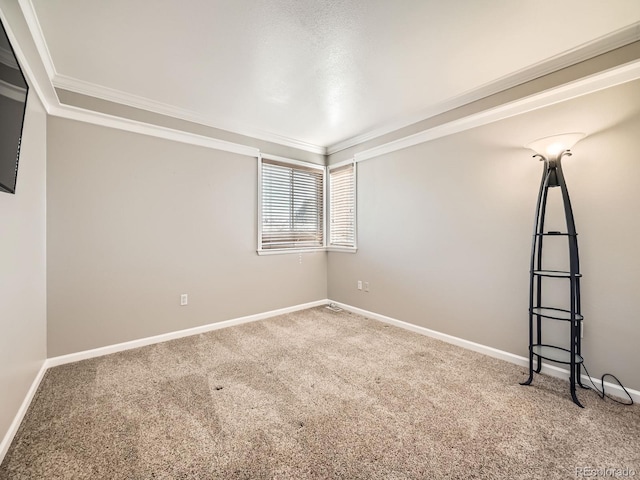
[[342, 205], [291, 210], [291, 206]]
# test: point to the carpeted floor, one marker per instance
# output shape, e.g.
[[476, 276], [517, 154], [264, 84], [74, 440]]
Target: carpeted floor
[[314, 394]]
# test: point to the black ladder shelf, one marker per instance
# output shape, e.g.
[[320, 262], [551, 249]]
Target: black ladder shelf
[[538, 312]]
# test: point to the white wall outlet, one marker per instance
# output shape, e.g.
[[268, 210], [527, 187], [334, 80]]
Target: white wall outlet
[[184, 299], [359, 284], [366, 286]]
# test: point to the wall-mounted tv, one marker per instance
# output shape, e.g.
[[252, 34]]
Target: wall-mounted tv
[[13, 102]]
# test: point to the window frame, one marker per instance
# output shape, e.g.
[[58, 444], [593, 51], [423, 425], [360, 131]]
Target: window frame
[[294, 163], [326, 208]]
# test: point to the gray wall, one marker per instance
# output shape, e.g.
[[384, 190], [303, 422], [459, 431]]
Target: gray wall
[[445, 231], [444, 234], [134, 221], [23, 274]]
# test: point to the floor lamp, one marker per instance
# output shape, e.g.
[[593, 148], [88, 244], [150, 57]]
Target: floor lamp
[[551, 150]]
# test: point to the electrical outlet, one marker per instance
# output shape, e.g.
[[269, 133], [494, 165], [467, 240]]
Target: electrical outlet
[[359, 284], [366, 286], [184, 299]]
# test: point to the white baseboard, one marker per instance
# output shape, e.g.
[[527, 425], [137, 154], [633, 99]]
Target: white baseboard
[[97, 352], [17, 420], [143, 342], [550, 370]]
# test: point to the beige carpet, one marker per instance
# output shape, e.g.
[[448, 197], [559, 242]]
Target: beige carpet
[[313, 394]]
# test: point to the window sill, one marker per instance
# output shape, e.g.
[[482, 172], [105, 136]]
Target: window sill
[[342, 249], [284, 251]]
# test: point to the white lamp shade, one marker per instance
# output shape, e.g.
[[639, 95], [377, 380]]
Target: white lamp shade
[[555, 144]]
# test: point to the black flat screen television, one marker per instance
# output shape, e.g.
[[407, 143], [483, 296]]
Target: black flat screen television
[[13, 102]]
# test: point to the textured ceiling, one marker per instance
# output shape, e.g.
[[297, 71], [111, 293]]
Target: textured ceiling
[[315, 71]]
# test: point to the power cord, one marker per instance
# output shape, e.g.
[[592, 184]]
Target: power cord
[[600, 393]]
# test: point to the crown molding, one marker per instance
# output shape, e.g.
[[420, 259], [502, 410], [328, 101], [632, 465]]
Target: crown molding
[[34, 76], [593, 83], [599, 46], [586, 51], [113, 95], [29, 13], [590, 84], [38, 77], [135, 126]]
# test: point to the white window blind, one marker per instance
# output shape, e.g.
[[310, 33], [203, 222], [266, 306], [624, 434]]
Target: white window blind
[[342, 200], [292, 206]]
